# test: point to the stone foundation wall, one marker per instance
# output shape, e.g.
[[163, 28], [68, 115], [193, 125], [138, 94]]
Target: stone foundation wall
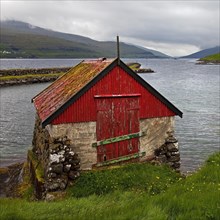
[[159, 142], [81, 136], [169, 153], [156, 130], [60, 164], [65, 149]]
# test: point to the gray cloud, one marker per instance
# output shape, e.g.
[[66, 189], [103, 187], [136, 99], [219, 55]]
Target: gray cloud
[[173, 27]]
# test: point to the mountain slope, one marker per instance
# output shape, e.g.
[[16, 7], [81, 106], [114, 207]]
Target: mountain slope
[[19, 39], [204, 53]]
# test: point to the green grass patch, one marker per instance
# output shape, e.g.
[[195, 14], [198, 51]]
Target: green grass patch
[[134, 66], [194, 197], [37, 166], [214, 58], [137, 177], [29, 76]]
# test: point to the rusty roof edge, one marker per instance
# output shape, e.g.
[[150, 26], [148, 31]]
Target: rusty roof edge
[[77, 95], [151, 89], [32, 100]]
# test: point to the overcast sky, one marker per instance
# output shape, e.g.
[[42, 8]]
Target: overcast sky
[[173, 27]]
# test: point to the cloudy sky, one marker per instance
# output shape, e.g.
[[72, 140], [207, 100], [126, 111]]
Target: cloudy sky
[[173, 27]]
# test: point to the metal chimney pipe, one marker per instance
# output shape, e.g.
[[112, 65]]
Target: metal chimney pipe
[[118, 50]]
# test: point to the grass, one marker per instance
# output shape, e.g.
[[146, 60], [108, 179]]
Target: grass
[[194, 197], [214, 58], [134, 66], [134, 177], [37, 166], [29, 76]]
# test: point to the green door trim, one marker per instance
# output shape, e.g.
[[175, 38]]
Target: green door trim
[[121, 159], [117, 139]]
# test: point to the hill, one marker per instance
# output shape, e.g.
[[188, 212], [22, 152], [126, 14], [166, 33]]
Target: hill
[[203, 53], [19, 39], [212, 59]]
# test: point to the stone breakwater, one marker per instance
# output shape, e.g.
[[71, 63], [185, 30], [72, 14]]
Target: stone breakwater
[[27, 81], [22, 76], [20, 72], [12, 77]]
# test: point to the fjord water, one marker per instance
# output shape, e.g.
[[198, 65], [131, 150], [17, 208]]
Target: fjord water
[[193, 88]]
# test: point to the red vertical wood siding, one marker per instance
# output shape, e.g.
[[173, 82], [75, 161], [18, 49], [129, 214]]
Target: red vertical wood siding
[[117, 116], [117, 81]]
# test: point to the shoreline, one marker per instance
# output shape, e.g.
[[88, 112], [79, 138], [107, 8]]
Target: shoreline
[[12, 77]]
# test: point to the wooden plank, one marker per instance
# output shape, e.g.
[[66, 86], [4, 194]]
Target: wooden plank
[[120, 159], [117, 139], [117, 95]]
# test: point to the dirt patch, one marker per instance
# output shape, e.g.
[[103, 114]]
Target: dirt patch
[[10, 177]]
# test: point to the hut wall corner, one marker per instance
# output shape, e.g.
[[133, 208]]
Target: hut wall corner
[[156, 130], [81, 135]]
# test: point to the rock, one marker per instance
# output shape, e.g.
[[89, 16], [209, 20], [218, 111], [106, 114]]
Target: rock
[[75, 167], [171, 140], [175, 153], [62, 152], [73, 175], [52, 175], [63, 185], [67, 149], [174, 158], [49, 197], [57, 168], [162, 158], [53, 186], [66, 168], [74, 161], [176, 165], [168, 154], [172, 147]]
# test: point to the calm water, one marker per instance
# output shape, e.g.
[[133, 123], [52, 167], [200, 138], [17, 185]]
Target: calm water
[[194, 89]]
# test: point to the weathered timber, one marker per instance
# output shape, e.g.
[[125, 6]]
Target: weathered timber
[[121, 159], [117, 139]]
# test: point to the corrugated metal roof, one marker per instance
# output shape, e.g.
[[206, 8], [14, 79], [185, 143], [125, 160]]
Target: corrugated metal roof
[[65, 87]]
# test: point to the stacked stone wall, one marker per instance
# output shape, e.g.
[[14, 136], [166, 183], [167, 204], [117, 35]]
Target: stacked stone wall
[[81, 135], [65, 149], [57, 158], [169, 153]]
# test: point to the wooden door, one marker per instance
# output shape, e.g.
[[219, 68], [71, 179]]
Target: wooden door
[[117, 116]]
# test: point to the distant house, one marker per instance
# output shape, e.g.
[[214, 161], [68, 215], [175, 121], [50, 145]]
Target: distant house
[[99, 113]]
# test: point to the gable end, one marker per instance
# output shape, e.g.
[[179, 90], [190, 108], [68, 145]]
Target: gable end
[[151, 89], [97, 78]]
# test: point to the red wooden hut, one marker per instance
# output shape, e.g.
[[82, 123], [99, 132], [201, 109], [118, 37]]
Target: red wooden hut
[[106, 111]]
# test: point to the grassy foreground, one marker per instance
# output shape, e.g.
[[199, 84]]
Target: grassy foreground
[[138, 191]]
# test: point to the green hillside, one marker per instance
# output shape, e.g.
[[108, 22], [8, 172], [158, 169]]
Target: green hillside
[[214, 58], [21, 40], [27, 45]]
